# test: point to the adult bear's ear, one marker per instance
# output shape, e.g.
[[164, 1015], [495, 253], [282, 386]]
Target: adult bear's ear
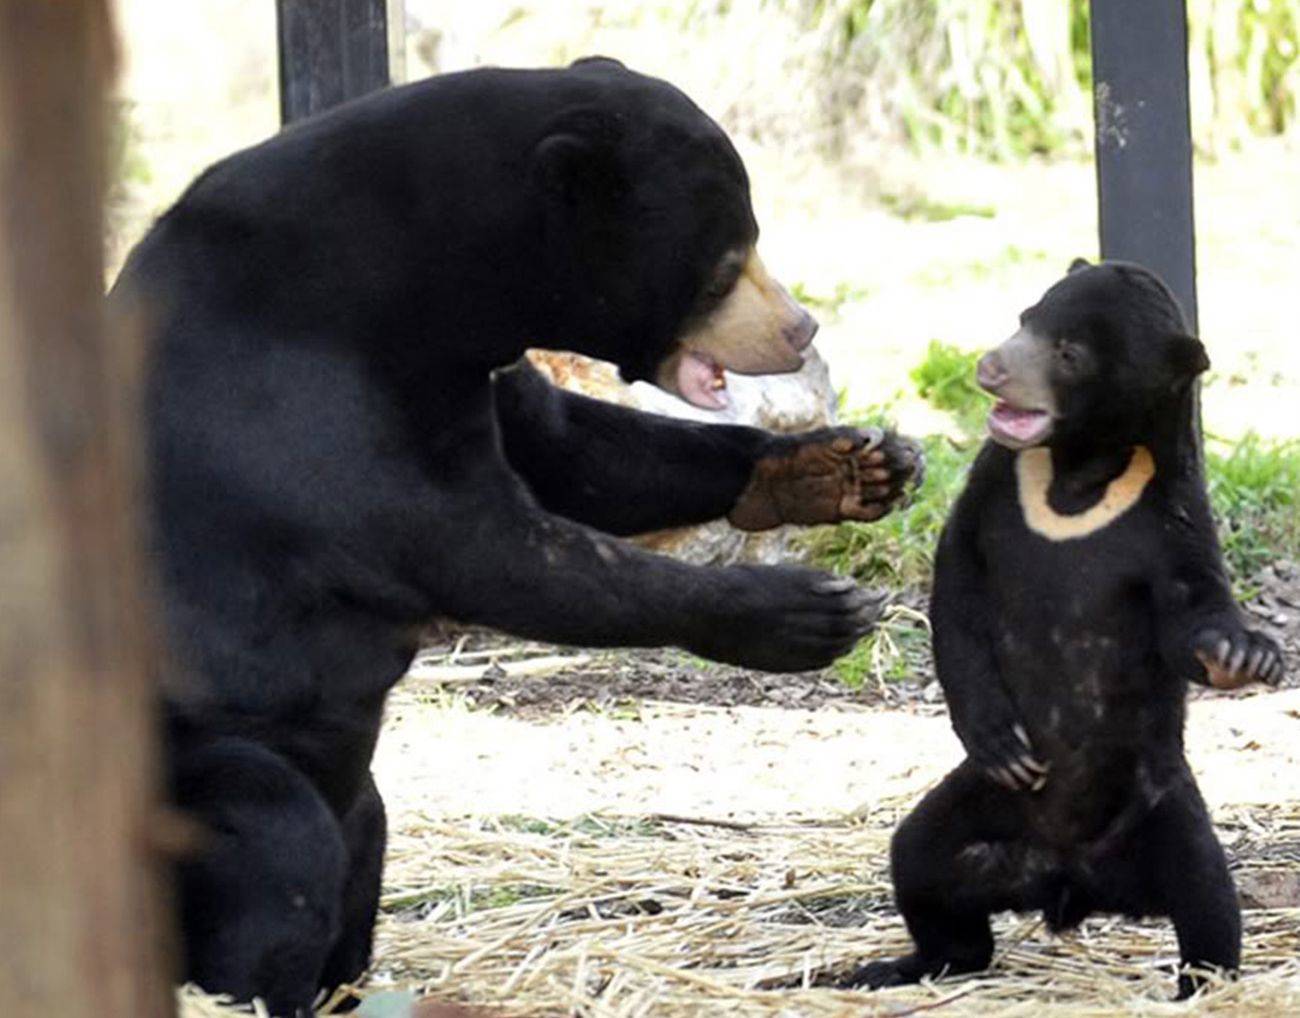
[[1184, 359], [1078, 265], [596, 62], [579, 157]]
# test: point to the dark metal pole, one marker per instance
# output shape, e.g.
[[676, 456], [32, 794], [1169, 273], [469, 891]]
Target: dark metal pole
[[1144, 140], [330, 51]]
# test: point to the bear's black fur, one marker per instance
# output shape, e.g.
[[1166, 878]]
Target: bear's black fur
[[335, 458], [1064, 643]]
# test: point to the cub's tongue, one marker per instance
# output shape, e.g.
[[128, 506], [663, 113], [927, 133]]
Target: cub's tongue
[[1021, 426], [698, 382]]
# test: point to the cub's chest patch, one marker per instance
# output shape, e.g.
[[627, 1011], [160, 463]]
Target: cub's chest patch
[[1034, 479]]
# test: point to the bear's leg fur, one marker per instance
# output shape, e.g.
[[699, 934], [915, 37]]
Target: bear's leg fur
[[954, 860], [1188, 875], [364, 837], [260, 901]]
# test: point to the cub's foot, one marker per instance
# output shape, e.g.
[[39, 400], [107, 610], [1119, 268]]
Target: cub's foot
[[828, 476], [879, 975], [1192, 980], [1235, 657], [912, 968]]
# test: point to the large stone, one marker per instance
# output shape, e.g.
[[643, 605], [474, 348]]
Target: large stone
[[786, 403]]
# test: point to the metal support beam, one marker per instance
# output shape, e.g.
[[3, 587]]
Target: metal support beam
[[330, 51], [1144, 141]]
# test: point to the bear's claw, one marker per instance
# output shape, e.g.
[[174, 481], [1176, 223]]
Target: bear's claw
[[1235, 658]]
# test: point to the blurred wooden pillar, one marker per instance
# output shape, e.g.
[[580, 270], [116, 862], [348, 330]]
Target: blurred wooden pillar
[[330, 51], [83, 928]]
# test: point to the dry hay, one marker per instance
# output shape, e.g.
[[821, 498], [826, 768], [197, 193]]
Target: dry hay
[[671, 916]]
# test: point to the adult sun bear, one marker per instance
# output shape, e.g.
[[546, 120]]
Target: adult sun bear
[[344, 443]]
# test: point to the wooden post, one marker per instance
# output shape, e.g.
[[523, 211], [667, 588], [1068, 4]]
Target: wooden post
[[1144, 139], [83, 928], [1144, 149], [330, 51]]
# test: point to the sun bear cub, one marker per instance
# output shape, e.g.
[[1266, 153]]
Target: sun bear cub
[[1078, 587]]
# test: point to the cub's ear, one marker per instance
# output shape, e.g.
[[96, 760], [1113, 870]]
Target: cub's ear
[[1185, 358], [1078, 265], [579, 156]]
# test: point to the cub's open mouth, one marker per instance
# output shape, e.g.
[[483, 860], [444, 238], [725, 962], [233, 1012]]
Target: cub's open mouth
[[1018, 427]]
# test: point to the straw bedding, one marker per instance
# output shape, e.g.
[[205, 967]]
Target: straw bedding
[[678, 916]]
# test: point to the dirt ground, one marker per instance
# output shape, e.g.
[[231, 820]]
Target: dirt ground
[[630, 735], [662, 732]]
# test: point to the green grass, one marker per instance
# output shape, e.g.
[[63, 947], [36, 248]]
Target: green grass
[[843, 293], [897, 649], [946, 379], [467, 899], [1254, 489], [924, 209], [944, 274], [898, 551]]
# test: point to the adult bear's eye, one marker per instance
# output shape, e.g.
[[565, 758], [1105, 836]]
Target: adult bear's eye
[[724, 278], [1067, 353]]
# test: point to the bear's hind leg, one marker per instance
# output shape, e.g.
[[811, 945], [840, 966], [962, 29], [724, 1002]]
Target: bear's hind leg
[[1191, 884], [953, 862], [260, 902], [364, 836]]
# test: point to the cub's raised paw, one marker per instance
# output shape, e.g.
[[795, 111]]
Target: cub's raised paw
[[1234, 657], [828, 476]]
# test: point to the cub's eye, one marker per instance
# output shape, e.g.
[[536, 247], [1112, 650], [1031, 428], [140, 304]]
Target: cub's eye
[[1067, 353]]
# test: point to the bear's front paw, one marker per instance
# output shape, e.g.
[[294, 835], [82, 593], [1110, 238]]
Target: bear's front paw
[[828, 476], [784, 618], [1235, 656]]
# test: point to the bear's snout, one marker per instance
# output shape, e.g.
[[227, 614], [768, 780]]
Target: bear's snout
[[991, 373], [800, 334]]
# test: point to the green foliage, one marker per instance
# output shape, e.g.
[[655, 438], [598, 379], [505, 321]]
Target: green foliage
[[1254, 489], [945, 274], [922, 208], [1007, 78], [126, 160], [946, 379], [843, 293], [898, 551], [465, 899], [1253, 45], [897, 649], [974, 76]]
